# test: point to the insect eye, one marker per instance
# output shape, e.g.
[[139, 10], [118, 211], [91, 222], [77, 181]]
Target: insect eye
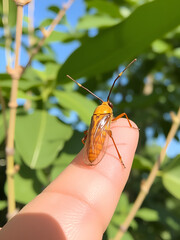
[[110, 104]]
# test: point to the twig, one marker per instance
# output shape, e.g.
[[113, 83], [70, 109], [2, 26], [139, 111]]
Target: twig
[[147, 184], [46, 33], [6, 32], [13, 105], [16, 74]]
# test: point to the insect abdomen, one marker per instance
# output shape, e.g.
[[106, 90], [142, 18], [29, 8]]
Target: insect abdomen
[[99, 125], [96, 148]]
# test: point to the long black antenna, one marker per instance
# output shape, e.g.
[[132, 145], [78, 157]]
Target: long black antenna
[[119, 77], [80, 85]]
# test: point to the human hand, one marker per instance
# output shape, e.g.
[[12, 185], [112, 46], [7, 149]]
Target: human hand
[[80, 202]]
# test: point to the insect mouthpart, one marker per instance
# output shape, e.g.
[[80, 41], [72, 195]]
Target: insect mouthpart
[[110, 104]]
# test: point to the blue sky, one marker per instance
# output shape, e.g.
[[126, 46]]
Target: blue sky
[[64, 50]]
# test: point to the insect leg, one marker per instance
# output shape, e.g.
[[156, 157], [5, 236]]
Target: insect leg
[[84, 138], [120, 158], [120, 116]]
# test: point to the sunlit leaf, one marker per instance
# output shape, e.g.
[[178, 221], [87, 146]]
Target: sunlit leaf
[[93, 21], [124, 41], [140, 162], [107, 7], [119, 216], [160, 46], [27, 185], [147, 214], [46, 22], [3, 204], [77, 102], [39, 137], [60, 164], [171, 177], [63, 37]]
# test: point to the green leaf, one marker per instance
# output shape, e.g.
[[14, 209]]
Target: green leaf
[[51, 70], [171, 177], [43, 57], [75, 143], [3, 204], [124, 41], [140, 162], [60, 164], [63, 37], [77, 102], [2, 126], [54, 9], [119, 216], [160, 46], [46, 22], [176, 52], [64, 159], [123, 204], [39, 137], [147, 214], [127, 236], [4, 76], [106, 7], [26, 185], [22, 94], [42, 177], [93, 21], [12, 12]]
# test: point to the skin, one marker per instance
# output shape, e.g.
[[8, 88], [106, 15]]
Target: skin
[[80, 202]]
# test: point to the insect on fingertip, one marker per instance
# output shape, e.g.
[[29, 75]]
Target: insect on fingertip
[[95, 140]]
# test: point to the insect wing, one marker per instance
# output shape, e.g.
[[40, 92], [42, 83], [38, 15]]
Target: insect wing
[[97, 139]]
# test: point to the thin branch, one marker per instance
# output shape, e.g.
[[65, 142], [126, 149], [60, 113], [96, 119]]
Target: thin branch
[[7, 32], [147, 184], [16, 74], [13, 105], [47, 32]]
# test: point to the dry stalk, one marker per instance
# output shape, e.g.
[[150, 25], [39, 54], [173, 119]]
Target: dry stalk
[[147, 184], [16, 74], [7, 32], [13, 105]]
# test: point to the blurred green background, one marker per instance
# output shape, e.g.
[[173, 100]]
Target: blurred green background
[[92, 44]]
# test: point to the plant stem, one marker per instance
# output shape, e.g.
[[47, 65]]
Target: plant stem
[[16, 74], [148, 183], [6, 32], [13, 107]]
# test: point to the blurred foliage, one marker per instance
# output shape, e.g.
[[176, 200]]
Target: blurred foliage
[[55, 112]]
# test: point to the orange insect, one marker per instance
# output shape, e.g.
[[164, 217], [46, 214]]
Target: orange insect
[[95, 139]]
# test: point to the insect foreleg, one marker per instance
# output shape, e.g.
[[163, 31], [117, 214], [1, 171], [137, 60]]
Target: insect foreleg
[[120, 158], [120, 116], [84, 138]]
